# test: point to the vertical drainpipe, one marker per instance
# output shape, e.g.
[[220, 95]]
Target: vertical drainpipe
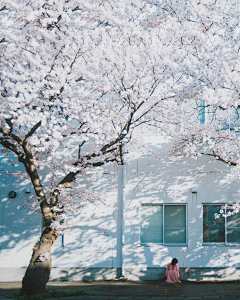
[[202, 112], [120, 221], [123, 218]]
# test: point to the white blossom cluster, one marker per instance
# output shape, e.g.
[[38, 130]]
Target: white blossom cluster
[[77, 77]]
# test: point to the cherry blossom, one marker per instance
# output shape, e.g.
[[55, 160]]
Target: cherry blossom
[[79, 77]]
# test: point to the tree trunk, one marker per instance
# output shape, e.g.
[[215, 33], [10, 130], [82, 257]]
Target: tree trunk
[[38, 271]]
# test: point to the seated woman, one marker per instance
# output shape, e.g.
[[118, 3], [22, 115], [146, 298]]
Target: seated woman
[[172, 272]]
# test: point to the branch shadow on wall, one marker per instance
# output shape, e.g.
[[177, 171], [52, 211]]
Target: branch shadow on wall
[[89, 248]]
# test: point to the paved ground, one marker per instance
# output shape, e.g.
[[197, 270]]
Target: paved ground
[[145, 290]]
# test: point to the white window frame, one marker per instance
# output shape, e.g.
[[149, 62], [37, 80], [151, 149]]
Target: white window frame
[[224, 206], [163, 243]]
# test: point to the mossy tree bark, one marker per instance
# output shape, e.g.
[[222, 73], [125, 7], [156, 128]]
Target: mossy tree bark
[[38, 271]]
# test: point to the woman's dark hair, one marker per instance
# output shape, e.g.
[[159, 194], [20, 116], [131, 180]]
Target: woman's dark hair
[[174, 261]]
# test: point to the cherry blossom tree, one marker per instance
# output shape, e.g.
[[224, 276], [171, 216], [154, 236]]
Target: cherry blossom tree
[[78, 78], [218, 137], [210, 124], [217, 131]]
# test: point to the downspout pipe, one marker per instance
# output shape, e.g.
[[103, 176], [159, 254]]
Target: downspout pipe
[[121, 221]]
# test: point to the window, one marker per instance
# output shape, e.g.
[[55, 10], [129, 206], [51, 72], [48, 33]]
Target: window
[[233, 228], [213, 229], [222, 229], [175, 224], [228, 118], [163, 224]]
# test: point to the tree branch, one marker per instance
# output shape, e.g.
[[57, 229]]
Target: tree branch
[[33, 130], [70, 177], [27, 159], [231, 163], [32, 171], [14, 149], [8, 133], [155, 104], [79, 149]]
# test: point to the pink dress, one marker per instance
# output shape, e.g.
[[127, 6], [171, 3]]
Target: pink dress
[[172, 273]]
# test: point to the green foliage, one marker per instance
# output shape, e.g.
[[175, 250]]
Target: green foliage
[[52, 293]]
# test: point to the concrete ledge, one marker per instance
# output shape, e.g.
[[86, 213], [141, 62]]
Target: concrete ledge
[[12, 274], [210, 274], [191, 274], [136, 274], [82, 274]]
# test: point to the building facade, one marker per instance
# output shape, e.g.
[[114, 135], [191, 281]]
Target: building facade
[[153, 209]]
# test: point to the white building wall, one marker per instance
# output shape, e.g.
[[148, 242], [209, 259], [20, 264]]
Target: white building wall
[[87, 250], [19, 229], [92, 248], [170, 181]]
